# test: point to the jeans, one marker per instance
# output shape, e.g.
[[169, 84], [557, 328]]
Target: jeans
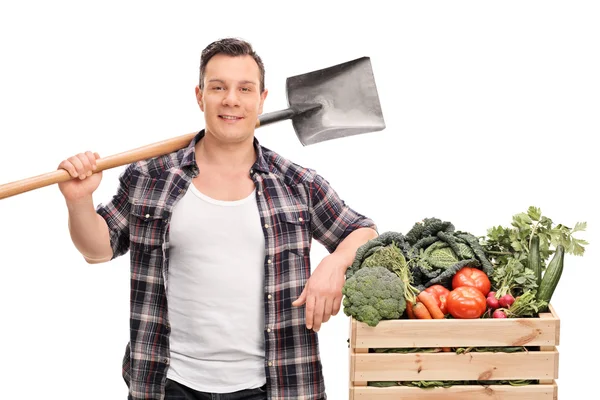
[[177, 391]]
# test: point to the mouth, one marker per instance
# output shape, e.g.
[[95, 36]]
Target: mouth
[[230, 117]]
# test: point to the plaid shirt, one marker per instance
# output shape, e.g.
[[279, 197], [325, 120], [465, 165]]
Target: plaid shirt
[[295, 205]]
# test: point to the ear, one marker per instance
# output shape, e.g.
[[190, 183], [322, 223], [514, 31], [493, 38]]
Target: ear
[[263, 96], [199, 98]]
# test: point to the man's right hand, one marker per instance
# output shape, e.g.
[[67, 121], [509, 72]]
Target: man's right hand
[[81, 167], [88, 229]]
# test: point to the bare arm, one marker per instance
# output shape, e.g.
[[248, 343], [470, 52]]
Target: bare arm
[[89, 231], [323, 291], [346, 250]]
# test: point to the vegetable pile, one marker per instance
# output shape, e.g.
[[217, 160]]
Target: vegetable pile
[[436, 271]]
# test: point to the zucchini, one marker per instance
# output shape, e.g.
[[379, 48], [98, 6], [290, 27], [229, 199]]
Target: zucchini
[[534, 258], [552, 275]]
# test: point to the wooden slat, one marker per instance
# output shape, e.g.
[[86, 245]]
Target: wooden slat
[[352, 361], [472, 392], [552, 316], [452, 366], [407, 333], [557, 339]]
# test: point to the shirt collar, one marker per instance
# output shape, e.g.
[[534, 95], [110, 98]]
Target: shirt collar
[[189, 154]]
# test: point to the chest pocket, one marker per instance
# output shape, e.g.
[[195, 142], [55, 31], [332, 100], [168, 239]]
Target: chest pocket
[[147, 226], [294, 229]]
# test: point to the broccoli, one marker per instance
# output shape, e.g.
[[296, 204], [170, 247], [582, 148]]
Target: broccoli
[[373, 294]]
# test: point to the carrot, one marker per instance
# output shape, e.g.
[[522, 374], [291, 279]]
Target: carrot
[[431, 303], [409, 310], [421, 311]]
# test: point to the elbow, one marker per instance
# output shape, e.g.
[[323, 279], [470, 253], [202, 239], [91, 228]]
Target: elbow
[[100, 260], [373, 232], [369, 232]]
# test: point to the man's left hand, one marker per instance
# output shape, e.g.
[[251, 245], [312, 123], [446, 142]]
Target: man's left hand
[[323, 291]]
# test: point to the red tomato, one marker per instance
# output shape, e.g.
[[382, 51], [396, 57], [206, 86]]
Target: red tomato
[[440, 294], [472, 277], [466, 302]]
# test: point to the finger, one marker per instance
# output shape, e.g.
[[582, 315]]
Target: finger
[[300, 300], [310, 310], [87, 165], [337, 304], [318, 314], [69, 167], [78, 166], [327, 310], [92, 159]]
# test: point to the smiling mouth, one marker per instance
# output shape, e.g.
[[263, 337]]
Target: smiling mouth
[[230, 117]]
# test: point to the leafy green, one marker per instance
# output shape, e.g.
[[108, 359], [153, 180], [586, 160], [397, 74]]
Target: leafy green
[[388, 256], [526, 305], [505, 243], [506, 349], [513, 278], [373, 246], [437, 251]]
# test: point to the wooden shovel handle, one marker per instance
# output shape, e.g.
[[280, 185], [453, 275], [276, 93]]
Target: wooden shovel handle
[[117, 160]]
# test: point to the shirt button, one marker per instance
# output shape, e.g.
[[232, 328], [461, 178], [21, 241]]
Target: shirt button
[[259, 193], [269, 297], [300, 219], [270, 364], [269, 261], [268, 329], [147, 216], [267, 226], [251, 171]]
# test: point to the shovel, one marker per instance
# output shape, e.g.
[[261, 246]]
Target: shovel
[[326, 104]]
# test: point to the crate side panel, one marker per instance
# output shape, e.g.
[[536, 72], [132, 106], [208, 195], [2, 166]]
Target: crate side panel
[[404, 333], [473, 392], [452, 366]]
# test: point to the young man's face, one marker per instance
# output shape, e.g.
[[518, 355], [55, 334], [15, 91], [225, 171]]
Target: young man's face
[[231, 99]]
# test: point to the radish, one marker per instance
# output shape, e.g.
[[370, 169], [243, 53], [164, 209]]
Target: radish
[[498, 314], [506, 300], [492, 302], [491, 294]]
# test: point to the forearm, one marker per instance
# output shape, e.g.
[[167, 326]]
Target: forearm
[[346, 250], [89, 231]]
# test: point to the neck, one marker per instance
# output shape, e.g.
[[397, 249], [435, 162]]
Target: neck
[[225, 155]]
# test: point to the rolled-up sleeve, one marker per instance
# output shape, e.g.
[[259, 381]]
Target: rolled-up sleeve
[[331, 219], [116, 215]]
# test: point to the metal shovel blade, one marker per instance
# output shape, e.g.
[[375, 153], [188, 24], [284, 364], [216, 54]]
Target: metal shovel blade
[[342, 101]]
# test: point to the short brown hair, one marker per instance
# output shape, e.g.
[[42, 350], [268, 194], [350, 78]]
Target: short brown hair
[[232, 47]]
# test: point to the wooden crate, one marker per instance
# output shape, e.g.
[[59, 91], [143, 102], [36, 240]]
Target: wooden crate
[[540, 335]]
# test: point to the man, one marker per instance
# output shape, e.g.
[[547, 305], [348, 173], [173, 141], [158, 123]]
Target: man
[[223, 302]]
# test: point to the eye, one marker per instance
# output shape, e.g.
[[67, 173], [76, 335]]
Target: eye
[[217, 88], [246, 89]]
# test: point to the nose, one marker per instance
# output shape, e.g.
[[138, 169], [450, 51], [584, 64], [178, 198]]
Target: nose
[[231, 98]]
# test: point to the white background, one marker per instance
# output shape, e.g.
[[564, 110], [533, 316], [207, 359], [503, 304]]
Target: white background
[[490, 107]]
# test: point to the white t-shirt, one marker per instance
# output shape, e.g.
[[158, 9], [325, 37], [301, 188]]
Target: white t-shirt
[[215, 294]]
